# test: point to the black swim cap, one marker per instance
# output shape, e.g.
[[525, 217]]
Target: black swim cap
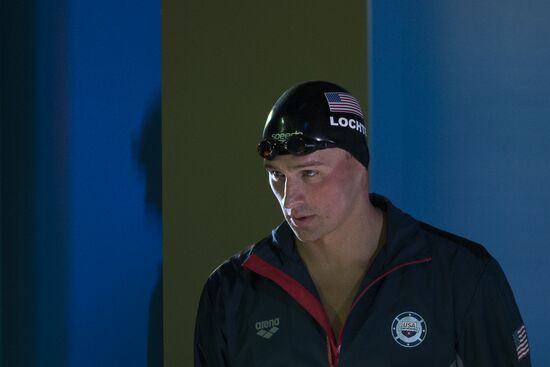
[[315, 115]]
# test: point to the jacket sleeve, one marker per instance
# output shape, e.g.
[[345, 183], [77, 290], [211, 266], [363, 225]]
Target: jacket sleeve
[[210, 337], [494, 333]]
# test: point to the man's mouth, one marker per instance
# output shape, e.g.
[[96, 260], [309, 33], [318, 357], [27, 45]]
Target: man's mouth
[[301, 220]]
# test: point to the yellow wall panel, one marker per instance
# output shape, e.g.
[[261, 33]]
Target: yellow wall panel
[[224, 65]]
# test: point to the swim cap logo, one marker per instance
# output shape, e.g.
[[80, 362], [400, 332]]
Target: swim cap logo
[[284, 136], [409, 329]]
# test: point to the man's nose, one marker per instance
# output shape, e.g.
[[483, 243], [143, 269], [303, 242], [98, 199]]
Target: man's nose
[[293, 194]]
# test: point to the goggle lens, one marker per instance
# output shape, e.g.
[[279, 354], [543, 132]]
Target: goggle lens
[[296, 144]]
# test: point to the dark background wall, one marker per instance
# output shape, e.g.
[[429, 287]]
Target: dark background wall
[[80, 183], [223, 67], [460, 120], [18, 184]]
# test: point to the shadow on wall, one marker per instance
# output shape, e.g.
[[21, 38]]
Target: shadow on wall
[[148, 153]]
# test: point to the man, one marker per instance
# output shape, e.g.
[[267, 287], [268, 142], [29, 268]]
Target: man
[[348, 279]]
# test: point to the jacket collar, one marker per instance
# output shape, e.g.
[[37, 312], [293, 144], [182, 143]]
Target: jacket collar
[[404, 243]]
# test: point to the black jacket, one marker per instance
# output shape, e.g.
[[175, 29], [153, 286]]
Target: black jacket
[[430, 298]]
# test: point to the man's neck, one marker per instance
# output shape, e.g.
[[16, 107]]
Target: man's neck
[[338, 263], [354, 244]]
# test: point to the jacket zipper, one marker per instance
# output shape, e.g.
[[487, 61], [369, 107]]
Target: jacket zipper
[[338, 346], [310, 303]]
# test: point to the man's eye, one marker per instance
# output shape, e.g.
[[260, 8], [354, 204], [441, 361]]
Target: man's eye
[[276, 175], [309, 173]]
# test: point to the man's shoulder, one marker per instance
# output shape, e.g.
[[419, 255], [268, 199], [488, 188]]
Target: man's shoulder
[[452, 244], [443, 244], [232, 268]]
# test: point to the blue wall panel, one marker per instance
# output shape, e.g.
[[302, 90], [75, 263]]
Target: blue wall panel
[[81, 240], [114, 230], [460, 96]]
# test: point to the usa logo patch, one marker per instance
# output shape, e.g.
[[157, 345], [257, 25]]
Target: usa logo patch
[[409, 329]]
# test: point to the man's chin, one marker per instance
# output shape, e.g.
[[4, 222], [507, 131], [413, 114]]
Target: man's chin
[[304, 235]]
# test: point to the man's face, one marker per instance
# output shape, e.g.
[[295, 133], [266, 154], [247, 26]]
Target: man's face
[[319, 193]]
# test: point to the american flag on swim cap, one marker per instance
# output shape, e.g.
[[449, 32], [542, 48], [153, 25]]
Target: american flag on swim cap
[[343, 102]]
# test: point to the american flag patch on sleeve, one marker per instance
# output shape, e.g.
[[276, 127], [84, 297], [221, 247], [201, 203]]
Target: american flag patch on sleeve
[[343, 102], [520, 340]]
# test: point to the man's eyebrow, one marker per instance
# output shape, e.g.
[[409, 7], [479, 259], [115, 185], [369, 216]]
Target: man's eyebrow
[[308, 164], [313, 163], [269, 166]]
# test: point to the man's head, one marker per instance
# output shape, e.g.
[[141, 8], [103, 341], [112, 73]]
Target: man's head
[[315, 115], [315, 151]]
